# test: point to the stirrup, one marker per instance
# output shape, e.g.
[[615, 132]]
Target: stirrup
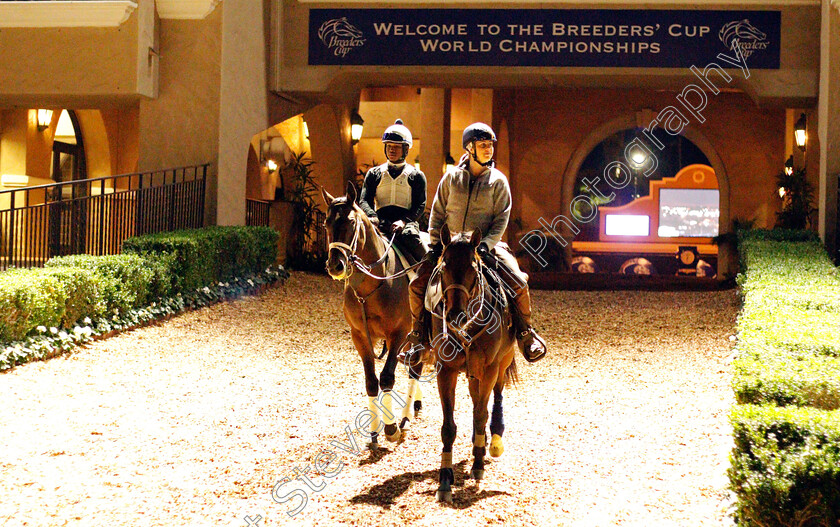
[[526, 340]]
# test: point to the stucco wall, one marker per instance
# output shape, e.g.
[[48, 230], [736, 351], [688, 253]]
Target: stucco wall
[[181, 126], [66, 66]]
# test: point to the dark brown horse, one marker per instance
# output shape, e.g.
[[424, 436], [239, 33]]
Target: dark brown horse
[[376, 307], [472, 332]]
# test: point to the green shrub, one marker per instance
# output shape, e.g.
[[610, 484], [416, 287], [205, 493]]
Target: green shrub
[[46, 297], [200, 257], [786, 466], [126, 279], [785, 379]]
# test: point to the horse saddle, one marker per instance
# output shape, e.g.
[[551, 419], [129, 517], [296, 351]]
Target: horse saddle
[[434, 291]]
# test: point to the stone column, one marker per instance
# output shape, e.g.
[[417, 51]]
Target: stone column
[[434, 136], [828, 124]]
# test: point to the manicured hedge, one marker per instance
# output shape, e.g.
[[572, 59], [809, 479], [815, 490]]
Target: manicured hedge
[[191, 263], [46, 297], [787, 381], [786, 466], [200, 257]]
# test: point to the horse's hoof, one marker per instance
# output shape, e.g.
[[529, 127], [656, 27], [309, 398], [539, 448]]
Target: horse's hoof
[[496, 446], [373, 446], [404, 423], [476, 474], [444, 496], [392, 433], [418, 405]]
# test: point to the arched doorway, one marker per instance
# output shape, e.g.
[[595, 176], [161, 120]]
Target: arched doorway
[[633, 121], [68, 214], [654, 214]]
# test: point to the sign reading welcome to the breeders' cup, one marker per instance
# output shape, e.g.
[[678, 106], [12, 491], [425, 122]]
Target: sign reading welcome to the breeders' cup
[[541, 37]]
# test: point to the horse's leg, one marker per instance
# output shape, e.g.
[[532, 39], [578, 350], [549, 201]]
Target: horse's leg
[[371, 384], [415, 370], [447, 380], [386, 384], [480, 393], [497, 420]]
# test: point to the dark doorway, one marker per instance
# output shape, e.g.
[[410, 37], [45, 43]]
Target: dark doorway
[[68, 206]]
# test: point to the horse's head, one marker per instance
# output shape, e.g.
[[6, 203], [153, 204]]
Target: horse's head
[[345, 231], [459, 271]]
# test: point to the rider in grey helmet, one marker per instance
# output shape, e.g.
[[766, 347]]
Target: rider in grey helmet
[[394, 193], [475, 195]]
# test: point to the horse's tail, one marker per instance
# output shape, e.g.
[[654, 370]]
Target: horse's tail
[[512, 374]]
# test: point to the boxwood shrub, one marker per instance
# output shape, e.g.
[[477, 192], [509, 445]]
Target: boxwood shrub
[[152, 267], [200, 257], [785, 464], [46, 297]]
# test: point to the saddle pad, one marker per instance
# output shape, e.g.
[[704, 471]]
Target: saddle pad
[[434, 292], [403, 260]]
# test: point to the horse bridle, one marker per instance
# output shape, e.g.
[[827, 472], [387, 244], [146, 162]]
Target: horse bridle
[[480, 286], [355, 261]]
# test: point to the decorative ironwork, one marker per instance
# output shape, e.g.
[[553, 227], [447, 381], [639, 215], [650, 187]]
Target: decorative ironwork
[[256, 212], [94, 216]]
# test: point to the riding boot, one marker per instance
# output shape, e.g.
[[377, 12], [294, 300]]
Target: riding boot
[[530, 343], [416, 301]]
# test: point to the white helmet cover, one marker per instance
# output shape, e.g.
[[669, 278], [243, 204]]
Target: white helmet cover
[[397, 133]]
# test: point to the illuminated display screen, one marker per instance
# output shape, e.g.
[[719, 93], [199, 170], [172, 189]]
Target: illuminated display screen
[[688, 212], [627, 225]]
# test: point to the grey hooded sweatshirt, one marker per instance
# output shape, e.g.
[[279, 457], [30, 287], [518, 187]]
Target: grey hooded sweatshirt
[[467, 203]]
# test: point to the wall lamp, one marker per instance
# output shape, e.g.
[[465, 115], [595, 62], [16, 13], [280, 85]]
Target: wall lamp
[[44, 119], [356, 126], [800, 132]]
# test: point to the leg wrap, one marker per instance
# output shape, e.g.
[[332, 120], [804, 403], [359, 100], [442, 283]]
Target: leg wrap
[[479, 441], [497, 422], [374, 424], [446, 460], [408, 409], [388, 416]]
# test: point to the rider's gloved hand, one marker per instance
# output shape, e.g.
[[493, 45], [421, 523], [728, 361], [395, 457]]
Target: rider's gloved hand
[[435, 251], [374, 220], [483, 250]]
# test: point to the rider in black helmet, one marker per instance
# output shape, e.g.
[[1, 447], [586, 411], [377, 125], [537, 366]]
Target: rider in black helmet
[[474, 195], [394, 193]]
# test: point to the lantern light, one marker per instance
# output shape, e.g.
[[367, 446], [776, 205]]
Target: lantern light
[[800, 132], [356, 126], [44, 119], [789, 166]]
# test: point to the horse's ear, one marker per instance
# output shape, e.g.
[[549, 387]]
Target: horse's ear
[[475, 238], [445, 235], [328, 199], [351, 192]]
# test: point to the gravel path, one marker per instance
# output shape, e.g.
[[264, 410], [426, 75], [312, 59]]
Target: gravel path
[[192, 422]]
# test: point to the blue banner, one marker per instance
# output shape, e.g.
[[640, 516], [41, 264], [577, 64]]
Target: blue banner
[[542, 37]]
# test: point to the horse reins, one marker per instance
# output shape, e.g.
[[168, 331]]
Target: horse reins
[[349, 252]]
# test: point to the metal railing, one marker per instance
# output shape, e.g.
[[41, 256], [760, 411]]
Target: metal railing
[[256, 212], [94, 216]]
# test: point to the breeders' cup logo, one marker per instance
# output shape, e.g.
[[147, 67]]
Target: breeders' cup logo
[[747, 36], [340, 36]]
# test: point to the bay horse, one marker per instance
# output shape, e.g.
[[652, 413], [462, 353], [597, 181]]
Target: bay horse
[[376, 307], [473, 332]]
